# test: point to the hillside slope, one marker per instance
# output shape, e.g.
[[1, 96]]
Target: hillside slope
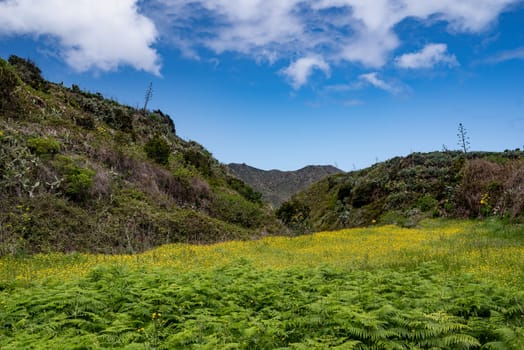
[[79, 172], [405, 189], [278, 186]]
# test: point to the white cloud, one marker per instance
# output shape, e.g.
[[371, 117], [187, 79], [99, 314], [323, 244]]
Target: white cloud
[[300, 70], [90, 34], [373, 80], [105, 34], [428, 57], [336, 31], [515, 54]]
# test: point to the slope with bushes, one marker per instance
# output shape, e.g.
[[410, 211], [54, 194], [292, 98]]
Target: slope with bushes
[[79, 172], [405, 189]]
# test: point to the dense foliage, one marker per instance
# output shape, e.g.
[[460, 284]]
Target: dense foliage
[[84, 173], [404, 190], [448, 285]]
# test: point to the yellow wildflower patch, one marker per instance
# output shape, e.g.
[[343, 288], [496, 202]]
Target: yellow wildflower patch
[[459, 245]]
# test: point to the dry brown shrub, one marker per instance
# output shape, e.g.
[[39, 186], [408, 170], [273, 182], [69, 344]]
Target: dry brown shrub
[[474, 177], [501, 184], [155, 180], [514, 188], [101, 182]]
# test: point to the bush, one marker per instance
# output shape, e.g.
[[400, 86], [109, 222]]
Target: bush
[[165, 118], [199, 160], [364, 193], [85, 121], [295, 215], [119, 119], [43, 146], [427, 203], [344, 191], [29, 72], [79, 182], [158, 150], [8, 83], [245, 190], [236, 210]]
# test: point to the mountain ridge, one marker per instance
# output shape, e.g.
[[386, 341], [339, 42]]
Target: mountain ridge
[[277, 186]]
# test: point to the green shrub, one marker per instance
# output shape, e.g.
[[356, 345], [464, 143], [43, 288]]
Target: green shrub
[[199, 160], [85, 121], [8, 83], [43, 146], [393, 217], [29, 72], [119, 119], [166, 119], [363, 194], [295, 215], [427, 203], [158, 150], [79, 182], [344, 191], [245, 190], [236, 210]]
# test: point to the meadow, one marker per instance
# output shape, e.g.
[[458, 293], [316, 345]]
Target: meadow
[[442, 285]]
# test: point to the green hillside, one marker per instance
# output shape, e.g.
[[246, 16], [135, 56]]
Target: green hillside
[[404, 190], [79, 172]]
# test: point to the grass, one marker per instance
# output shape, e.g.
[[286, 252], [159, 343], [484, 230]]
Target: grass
[[444, 285]]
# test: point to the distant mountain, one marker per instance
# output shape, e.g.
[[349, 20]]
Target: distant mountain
[[278, 186]]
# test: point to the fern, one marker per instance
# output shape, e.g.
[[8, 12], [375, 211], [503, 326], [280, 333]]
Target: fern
[[239, 306]]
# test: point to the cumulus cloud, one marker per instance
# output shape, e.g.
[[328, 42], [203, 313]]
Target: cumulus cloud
[[334, 31], [89, 34], [104, 34], [300, 70], [429, 56]]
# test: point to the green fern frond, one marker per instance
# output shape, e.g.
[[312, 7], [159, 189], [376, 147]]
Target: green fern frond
[[464, 340], [496, 345]]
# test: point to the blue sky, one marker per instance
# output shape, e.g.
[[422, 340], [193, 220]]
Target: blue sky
[[284, 84]]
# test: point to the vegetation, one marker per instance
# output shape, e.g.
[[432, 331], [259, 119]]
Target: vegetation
[[278, 186], [28, 72], [81, 175], [463, 138], [405, 190], [79, 172], [445, 285], [158, 150]]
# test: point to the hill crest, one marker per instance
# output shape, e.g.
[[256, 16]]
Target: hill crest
[[79, 172], [277, 186]]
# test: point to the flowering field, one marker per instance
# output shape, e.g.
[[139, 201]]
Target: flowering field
[[445, 285]]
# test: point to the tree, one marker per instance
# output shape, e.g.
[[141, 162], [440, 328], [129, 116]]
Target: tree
[[463, 138]]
